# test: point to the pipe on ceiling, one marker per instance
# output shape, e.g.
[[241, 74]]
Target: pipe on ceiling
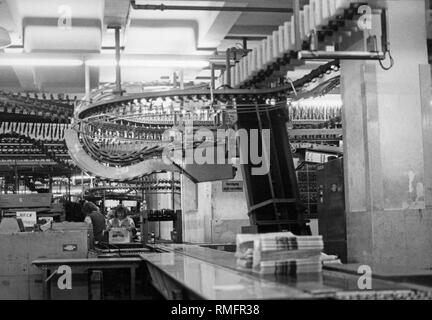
[[164, 7], [340, 55]]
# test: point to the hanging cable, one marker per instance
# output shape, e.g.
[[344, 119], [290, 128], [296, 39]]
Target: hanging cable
[[391, 62], [385, 54]]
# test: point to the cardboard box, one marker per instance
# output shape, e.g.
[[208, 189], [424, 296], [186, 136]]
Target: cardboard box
[[119, 235], [28, 218], [19, 279]]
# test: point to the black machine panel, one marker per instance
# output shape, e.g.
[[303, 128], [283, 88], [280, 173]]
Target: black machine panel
[[331, 208], [273, 198]]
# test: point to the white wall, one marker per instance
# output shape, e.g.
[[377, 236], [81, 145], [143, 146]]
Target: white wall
[[211, 215]]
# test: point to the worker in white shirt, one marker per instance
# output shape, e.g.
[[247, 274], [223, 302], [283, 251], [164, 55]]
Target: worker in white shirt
[[121, 220]]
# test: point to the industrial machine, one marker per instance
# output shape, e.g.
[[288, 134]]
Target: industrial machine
[[30, 207], [121, 136], [22, 280], [32, 140], [138, 121], [331, 208]]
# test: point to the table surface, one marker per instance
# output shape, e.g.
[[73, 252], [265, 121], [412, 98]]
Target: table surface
[[213, 274], [201, 269], [87, 261], [211, 281]]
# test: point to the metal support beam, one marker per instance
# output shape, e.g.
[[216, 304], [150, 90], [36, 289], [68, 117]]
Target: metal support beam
[[212, 76], [82, 185], [69, 189], [248, 38], [296, 16], [175, 84], [181, 79], [228, 66], [117, 58], [341, 55], [16, 190], [87, 82], [173, 192], [163, 7], [142, 212]]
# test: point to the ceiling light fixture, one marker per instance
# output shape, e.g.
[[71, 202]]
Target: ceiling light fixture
[[165, 63], [199, 64], [40, 62], [10, 60], [13, 50], [100, 62]]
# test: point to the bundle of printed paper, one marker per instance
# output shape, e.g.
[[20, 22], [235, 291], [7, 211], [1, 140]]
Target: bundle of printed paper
[[279, 253]]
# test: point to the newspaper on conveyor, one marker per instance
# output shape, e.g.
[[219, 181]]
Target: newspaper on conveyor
[[279, 253]]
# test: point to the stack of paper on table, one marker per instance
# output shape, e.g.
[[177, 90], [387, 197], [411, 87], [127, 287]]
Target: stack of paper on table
[[279, 253], [244, 251]]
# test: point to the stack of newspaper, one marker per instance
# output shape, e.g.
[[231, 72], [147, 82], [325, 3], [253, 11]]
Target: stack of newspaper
[[245, 249], [279, 253]]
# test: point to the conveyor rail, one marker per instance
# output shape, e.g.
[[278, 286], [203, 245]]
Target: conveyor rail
[[185, 271], [328, 285]]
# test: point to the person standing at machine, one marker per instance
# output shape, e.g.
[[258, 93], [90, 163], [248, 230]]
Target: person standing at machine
[[121, 220], [96, 219]]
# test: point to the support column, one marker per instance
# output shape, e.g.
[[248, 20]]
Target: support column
[[117, 58], [87, 82], [162, 229], [388, 146]]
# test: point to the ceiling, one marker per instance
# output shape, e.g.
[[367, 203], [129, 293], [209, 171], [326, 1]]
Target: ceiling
[[41, 27]]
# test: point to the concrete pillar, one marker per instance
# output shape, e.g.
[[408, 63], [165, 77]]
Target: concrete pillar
[[162, 229], [388, 146]]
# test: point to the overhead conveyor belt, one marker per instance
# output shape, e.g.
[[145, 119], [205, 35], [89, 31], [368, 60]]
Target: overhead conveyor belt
[[85, 162], [272, 196]]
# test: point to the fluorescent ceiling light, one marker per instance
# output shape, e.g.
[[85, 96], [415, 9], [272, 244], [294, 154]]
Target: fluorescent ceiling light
[[13, 50], [101, 63], [149, 63], [204, 52], [164, 63], [40, 62]]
